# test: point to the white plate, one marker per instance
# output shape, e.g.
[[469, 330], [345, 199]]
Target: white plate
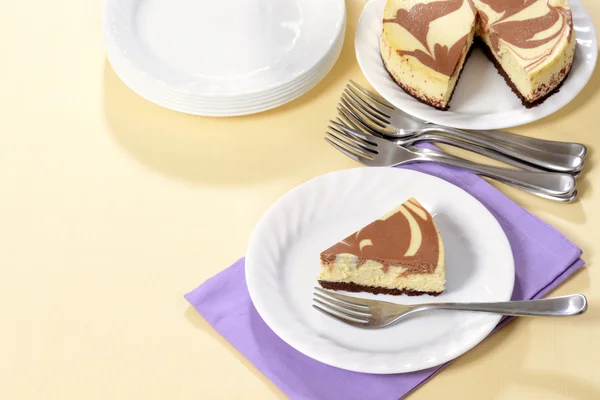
[[222, 48], [476, 106], [238, 106], [145, 85], [282, 264], [245, 104]]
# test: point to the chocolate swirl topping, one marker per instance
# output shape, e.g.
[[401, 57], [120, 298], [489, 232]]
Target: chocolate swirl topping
[[417, 21], [519, 31], [408, 238]]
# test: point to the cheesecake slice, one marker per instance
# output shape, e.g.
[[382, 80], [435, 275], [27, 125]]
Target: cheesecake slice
[[400, 253], [424, 45]]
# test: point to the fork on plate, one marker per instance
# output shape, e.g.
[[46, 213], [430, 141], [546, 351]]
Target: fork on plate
[[373, 314]]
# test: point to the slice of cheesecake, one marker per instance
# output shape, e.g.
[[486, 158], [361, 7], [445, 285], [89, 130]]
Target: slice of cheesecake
[[400, 253]]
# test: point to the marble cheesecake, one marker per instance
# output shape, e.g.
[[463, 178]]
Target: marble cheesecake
[[424, 45], [400, 253]]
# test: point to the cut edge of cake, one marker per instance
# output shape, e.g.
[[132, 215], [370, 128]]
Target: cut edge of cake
[[545, 81]]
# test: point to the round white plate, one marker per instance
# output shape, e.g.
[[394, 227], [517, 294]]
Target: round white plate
[[130, 75], [282, 265], [476, 106], [233, 106], [222, 49], [193, 105]]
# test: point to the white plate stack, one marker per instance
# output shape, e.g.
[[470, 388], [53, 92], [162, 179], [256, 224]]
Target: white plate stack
[[222, 58]]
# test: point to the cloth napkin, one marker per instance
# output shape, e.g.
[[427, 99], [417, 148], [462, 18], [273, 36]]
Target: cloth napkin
[[544, 258]]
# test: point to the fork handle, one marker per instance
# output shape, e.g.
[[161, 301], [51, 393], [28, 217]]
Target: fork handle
[[573, 149], [542, 158], [435, 138], [550, 183], [552, 307]]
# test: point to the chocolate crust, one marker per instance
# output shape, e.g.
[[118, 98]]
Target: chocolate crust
[[510, 83], [354, 287]]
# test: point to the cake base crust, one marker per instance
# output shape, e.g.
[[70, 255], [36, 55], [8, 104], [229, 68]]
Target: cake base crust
[[478, 42], [354, 287]]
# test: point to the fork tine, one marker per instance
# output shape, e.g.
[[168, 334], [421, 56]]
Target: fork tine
[[349, 115], [358, 110], [370, 150], [369, 111], [346, 299], [328, 303], [381, 111], [352, 139], [373, 95], [341, 317], [370, 139], [369, 126], [344, 120], [372, 126], [355, 157], [342, 303], [350, 146]]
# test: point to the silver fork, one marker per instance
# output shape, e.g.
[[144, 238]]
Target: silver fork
[[574, 149], [376, 114], [375, 151], [507, 160], [372, 314], [350, 119]]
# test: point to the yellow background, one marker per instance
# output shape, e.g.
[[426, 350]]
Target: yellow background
[[111, 208]]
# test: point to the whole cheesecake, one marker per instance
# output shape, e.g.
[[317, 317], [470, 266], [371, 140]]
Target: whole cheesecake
[[400, 253], [425, 43]]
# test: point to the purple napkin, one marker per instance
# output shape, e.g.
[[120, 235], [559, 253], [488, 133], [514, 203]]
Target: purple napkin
[[544, 258]]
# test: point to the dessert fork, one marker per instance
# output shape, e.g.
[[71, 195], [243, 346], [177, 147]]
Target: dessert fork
[[348, 118], [376, 114], [373, 314], [375, 151]]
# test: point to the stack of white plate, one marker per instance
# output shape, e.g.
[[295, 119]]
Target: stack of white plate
[[223, 58]]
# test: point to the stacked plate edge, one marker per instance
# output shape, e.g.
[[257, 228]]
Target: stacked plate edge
[[204, 58]]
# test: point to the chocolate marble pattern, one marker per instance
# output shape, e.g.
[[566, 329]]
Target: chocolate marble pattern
[[407, 237], [417, 21], [518, 33]]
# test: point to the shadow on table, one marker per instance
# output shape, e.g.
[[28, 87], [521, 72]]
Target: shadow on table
[[231, 150]]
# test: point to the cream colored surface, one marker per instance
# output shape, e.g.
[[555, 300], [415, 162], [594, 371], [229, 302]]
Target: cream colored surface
[[416, 235], [112, 208], [531, 78], [371, 274], [547, 52]]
